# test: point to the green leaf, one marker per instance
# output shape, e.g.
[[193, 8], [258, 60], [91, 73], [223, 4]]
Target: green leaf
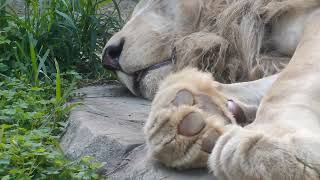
[[9, 111], [4, 4], [68, 18], [36, 89], [7, 177], [3, 40], [1, 133], [4, 161], [3, 67], [42, 67], [103, 3]]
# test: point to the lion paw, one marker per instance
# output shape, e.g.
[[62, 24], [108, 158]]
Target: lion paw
[[187, 117]]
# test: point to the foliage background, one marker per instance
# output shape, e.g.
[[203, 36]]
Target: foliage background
[[45, 52]]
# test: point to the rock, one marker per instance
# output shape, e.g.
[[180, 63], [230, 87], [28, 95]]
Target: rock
[[108, 126], [18, 6], [126, 7], [137, 167]]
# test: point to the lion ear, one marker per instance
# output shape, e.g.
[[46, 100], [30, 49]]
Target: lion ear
[[237, 112]]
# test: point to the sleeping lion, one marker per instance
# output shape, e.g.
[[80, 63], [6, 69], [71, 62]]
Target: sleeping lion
[[180, 53]]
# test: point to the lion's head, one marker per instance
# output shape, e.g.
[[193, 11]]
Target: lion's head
[[163, 36], [141, 52]]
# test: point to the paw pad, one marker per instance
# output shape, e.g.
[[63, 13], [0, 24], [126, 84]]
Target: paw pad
[[237, 112], [209, 141], [183, 97], [191, 125]]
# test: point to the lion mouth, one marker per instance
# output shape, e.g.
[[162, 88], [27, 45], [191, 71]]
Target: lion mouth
[[134, 81], [142, 73]]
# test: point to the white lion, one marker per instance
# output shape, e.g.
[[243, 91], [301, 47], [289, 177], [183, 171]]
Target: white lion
[[234, 40]]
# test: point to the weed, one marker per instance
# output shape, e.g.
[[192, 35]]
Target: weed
[[44, 52]]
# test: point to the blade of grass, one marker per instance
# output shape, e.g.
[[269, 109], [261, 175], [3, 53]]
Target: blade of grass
[[58, 83], [1, 133], [42, 61], [68, 18], [118, 10], [33, 58], [4, 4]]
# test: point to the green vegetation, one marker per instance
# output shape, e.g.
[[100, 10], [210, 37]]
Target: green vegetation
[[44, 53]]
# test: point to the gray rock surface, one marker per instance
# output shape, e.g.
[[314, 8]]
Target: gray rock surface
[[108, 126], [126, 7]]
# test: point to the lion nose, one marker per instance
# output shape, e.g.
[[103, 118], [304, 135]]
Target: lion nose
[[111, 54]]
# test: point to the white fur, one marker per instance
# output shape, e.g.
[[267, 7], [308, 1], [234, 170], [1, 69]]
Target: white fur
[[174, 150], [156, 25], [283, 142]]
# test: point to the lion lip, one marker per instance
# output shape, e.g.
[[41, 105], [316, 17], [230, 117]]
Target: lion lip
[[142, 73], [132, 80]]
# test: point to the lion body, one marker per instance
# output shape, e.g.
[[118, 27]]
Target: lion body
[[254, 38], [283, 141], [235, 40], [195, 116]]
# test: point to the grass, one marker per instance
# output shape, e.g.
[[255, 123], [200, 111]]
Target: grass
[[44, 53], [30, 128]]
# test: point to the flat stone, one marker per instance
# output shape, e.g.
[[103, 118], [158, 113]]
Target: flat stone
[[137, 166], [108, 126]]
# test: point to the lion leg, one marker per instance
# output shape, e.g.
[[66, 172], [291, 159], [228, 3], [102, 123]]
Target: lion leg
[[190, 111], [284, 140], [246, 154]]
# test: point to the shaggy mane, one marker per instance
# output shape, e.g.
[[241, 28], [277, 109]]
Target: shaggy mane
[[232, 41]]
